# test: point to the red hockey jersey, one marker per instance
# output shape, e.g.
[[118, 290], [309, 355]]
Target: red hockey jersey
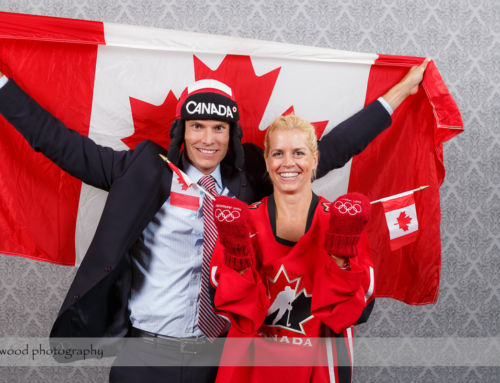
[[293, 309]]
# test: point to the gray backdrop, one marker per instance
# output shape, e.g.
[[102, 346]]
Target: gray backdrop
[[462, 36]]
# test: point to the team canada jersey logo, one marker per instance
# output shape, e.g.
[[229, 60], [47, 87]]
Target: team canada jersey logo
[[290, 307], [326, 206], [255, 205]]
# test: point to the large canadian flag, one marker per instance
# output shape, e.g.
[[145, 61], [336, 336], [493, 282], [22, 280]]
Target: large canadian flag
[[119, 85]]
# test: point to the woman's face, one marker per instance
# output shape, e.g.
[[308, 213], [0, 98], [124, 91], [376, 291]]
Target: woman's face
[[290, 162]]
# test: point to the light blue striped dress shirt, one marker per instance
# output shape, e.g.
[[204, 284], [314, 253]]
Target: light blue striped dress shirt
[[167, 268]]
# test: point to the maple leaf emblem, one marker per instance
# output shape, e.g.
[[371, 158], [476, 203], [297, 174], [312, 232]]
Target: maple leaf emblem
[[403, 221], [319, 126], [184, 185], [182, 178], [151, 121], [252, 93], [290, 308], [255, 205]]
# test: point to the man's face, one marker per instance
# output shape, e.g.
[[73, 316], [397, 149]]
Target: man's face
[[206, 143]]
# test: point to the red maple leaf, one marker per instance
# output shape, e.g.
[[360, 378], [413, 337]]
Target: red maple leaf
[[318, 126], [286, 293], [184, 185], [182, 178], [403, 221], [152, 121], [252, 92]]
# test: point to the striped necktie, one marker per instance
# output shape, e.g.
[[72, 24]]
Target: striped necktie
[[208, 321]]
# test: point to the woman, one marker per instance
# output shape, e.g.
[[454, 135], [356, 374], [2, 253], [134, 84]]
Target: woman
[[291, 270]]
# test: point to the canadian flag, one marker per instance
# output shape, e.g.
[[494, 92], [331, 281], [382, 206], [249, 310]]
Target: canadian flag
[[183, 192], [119, 84], [401, 218]]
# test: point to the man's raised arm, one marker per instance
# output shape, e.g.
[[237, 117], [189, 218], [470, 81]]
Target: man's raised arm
[[351, 136], [76, 154]]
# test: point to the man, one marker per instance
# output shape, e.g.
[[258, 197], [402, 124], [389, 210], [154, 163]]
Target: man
[[142, 274]]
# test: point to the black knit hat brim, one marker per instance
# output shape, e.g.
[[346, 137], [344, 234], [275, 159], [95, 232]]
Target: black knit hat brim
[[209, 106]]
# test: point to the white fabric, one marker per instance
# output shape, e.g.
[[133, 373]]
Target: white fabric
[[3, 80], [164, 62], [392, 221]]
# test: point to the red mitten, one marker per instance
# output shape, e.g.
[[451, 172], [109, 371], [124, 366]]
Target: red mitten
[[231, 219], [348, 217]]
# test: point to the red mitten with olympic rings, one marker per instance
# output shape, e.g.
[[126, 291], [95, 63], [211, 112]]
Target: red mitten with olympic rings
[[349, 215], [231, 219]]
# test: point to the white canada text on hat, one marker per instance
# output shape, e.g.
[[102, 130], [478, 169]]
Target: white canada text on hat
[[193, 107]]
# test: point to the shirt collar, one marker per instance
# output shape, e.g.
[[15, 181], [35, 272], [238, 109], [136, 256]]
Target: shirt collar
[[193, 173]]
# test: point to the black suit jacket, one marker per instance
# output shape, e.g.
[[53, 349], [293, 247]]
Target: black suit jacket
[[138, 182]]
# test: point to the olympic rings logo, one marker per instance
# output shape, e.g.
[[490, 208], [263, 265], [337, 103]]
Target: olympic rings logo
[[348, 207], [226, 215]]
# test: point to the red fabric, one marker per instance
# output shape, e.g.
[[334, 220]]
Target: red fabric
[[324, 297], [43, 228], [349, 215], [245, 319], [38, 209], [231, 219], [399, 202], [182, 177], [342, 303], [53, 29], [185, 201], [407, 155], [60, 76]]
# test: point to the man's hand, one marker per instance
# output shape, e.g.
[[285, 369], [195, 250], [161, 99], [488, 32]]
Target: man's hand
[[407, 86], [1, 74]]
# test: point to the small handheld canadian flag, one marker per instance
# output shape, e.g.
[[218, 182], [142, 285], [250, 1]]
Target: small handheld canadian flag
[[182, 177], [181, 193], [401, 217]]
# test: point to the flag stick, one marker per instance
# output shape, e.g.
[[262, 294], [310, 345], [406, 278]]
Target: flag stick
[[164, 158], [400, 194]]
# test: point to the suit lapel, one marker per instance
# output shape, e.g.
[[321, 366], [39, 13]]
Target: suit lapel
[[231, 180]]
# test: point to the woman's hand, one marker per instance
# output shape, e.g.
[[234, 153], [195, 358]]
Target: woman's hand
[[231, 219], [342, 262], [349, 215]]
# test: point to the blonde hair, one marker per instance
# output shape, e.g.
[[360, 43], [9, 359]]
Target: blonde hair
[[291, 122]]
